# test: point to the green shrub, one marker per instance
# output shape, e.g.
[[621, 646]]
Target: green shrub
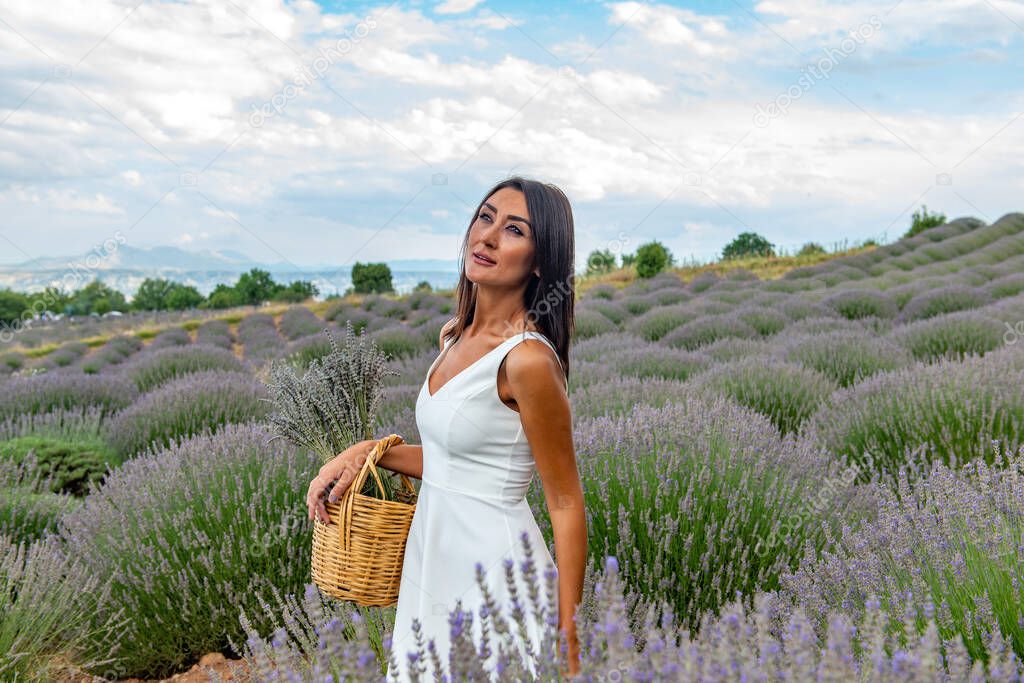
[[747, 245], [29, 508], [652, 258], [73, 465], [921, 220]]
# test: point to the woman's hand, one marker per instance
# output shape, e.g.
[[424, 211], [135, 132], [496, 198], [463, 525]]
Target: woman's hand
[[343, 467]]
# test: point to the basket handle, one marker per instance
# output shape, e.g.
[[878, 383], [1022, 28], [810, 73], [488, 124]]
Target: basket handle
[[369, 467]]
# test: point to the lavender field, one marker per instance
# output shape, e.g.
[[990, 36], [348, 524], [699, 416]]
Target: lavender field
[[816, 477]]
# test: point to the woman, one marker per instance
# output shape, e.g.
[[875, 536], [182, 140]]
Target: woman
[[492, 409]]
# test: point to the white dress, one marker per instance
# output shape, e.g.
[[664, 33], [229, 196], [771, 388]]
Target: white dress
[[477, 466]]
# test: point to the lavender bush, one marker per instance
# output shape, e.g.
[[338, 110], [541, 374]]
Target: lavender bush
[[657, 322], [943, 300], [861, 303], [846, 357], [62, 390], [765, 321], [301, 352], [763, 643], [190, 535], [729, 349], [618, 395], [152, 369], [299, 321], [953, 408], [398, 342], [1007, 285], [702, 331], [683, 494], [189, 405], [785, 393], [610, 309], [590, 323], [172, 336], [113, 353], [217, 333], [653, 360], [945, 547], [47, 601], [259, 337], [950, 336]]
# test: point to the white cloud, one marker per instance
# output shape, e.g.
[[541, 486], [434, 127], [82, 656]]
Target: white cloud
[[456, 6], [68, 199], [671, 91], [220, 213]]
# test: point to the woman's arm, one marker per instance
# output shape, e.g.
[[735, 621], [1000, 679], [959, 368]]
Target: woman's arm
[[406, 458], [536, 381]]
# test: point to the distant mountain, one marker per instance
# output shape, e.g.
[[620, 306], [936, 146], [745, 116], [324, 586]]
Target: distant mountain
[[125, 267]]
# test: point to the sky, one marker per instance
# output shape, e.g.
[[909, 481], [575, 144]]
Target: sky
[[346, 132]]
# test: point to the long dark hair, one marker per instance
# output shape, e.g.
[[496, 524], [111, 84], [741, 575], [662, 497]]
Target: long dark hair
[[551, 298]]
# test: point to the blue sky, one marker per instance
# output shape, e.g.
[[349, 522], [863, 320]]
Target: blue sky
[[214, 125]]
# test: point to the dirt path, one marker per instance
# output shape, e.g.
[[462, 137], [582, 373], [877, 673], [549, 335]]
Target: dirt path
[[228, 669]]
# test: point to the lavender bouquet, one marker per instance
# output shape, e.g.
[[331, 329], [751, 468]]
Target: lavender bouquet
[[334, 404]]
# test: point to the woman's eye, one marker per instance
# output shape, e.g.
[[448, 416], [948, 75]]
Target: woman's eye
[[483, 215], [516, 228]]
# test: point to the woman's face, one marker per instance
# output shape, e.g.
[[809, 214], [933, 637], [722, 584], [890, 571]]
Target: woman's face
[[502, 232]]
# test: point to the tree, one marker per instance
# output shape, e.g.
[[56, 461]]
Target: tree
[[423, 286], [50, 299], [222, 296], [181, 297], [600, 261], [151, 295], [628, 260], [256, 286], [746, 245], [12, 305], [922, 220], [97, 297], [652, 258], [810, 249], [371, 277], [297, 291], [157, 294]]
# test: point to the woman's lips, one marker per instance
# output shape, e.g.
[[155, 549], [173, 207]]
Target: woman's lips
[[482, 261]]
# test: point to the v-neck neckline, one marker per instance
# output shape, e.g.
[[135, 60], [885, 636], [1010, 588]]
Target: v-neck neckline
[[433, 366]]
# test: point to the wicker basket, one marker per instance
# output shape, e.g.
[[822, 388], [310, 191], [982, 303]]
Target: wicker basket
[[358, 555]]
